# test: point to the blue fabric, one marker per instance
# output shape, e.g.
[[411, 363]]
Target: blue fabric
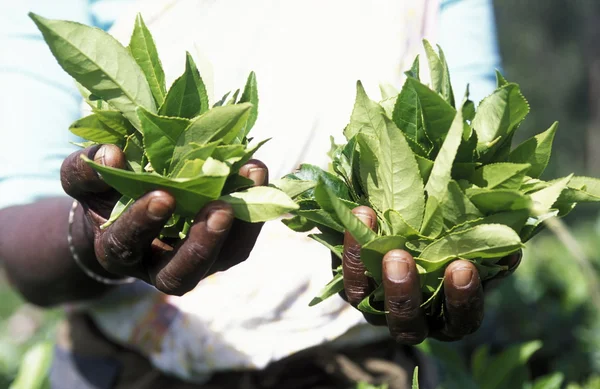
[[71, 371], [39, 100], [467, 33]]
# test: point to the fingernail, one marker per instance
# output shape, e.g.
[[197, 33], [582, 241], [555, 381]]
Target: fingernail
[[396, 269], [258, 175], [365, 218], [462, 277], [219, 220], [158, 208], [99, 156]]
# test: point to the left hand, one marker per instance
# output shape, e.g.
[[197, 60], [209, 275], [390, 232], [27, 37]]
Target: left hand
[[406, 320]]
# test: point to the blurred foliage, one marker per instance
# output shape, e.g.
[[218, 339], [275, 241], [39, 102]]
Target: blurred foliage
[[23, 328], [547, 47]]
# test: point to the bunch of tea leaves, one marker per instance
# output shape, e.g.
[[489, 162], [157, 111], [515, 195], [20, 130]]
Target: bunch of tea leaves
[[444, 179], [173, 139]]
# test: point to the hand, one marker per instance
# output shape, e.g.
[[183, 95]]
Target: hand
[[406, 320], [129, 247]]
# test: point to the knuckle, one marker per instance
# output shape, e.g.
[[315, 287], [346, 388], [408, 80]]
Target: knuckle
[[356, 291], [403, 308], [117, 249], [409, 338], [169, 284], [197, 252]]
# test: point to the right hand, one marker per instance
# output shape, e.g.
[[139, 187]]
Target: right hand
[[462, 291], [130, 247]]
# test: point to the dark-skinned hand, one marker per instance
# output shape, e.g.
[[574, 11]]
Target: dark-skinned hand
[[130, 247], [406, 320]]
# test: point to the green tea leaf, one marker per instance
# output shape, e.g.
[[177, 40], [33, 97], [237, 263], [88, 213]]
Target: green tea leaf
[[368, 167], [367, 116], [333, 287], [498, 200], [441, 174], [513, 219], [187, 97], [438, 70], [468, 109], [321, 218], [260, 204], [500, 80], [228, 153], [408, 117], [247, 156], [456, 206], [190, 194], [299, 224], [588, 184], [398, 225], [371, 254], [437, 184], [334, 242], [308, 172], [484, 241], [120, 207], [467, 151], [115, 120], [425, 167], [397, 173], [365, 305], [415, 380], [434, 283], [499, 114], [500, 175], [292, 187], [437, 113], [433, 219], [91, 128], [160, 137], [544, 199], [388, 91], [234, 97], [581, 190], [414, 69], [84, 145], [327, 198], [143, 50], [134, 152], [99, 63], [220, 123], [236, 183], [535, 151], [191, 168], [222, 101], [250, 95], [201, 152]]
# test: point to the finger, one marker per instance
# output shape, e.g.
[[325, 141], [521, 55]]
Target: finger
[[463, 307], [405, 317], [78, 179], [84, 184], [244, 234], [124, 244], [356, 283], [194, 256]]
